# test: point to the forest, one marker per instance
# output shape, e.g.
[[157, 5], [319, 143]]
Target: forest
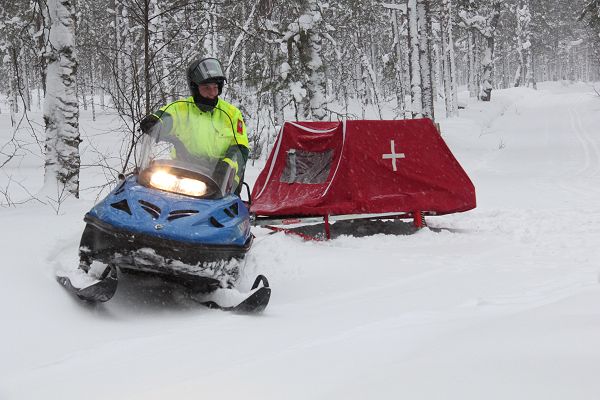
[[299, 59]]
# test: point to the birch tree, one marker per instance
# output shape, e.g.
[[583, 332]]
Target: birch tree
[[419, 26], [467, 14], [487, 29], [484, 23], [306, 35], [210, 44], [14, 46], [416, 91], [523, 37], [425, 59], [310, 46], [61, 110], [399, 52], [448, 62]]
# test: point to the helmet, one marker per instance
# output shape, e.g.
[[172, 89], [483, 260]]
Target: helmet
[[205, 70]]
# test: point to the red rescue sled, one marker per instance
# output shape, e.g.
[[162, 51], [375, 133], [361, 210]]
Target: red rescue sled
[[359, 168]]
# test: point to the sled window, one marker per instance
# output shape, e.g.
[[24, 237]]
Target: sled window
[[306, 166]]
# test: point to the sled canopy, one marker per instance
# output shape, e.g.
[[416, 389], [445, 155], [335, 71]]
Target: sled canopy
[[361, 167]]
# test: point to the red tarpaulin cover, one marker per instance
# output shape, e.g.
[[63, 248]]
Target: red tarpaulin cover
[[361, 167]]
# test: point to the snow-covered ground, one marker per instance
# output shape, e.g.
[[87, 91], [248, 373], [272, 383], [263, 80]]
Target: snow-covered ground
[[502, 302]]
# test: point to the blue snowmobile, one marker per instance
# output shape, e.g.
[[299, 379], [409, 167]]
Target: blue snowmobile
[[178, 217]]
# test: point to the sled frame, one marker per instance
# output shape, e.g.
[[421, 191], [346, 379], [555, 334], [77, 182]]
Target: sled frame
[[284, 224]]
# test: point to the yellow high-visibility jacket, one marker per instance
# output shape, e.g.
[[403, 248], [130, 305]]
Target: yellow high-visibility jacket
[[207, 133]]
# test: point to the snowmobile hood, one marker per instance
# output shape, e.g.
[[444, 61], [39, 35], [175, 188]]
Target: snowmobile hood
[[140, 209]]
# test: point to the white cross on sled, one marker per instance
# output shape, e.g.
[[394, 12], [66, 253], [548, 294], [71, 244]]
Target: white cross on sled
[[393, 155]]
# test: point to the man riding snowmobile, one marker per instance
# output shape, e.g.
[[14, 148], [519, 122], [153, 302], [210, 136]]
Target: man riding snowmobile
[[207, 125], [179, 215]]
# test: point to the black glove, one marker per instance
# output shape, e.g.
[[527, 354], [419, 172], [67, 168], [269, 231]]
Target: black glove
[[148, 123]]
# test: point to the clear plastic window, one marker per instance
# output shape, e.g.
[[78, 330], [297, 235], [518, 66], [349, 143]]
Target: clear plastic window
[[306, 166]]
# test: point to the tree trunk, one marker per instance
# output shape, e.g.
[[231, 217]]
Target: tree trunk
[[416, 93], [453, 75], [12, 100], [531, 82], [14, 83], [370, 72], [27, 82], [523, 44], [472, 63], [81, 84], [61, 111], [92, 89], [310, 48], [424, 29], [118, 60], [210, 31], [147, 81], [487, 64], [449, 81], [398, 61]]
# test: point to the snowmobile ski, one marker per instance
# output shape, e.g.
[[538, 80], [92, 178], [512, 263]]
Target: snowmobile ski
[[255, 303], [100, 290]]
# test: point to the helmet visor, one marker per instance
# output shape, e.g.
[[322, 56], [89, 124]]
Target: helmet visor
[[209, 68]]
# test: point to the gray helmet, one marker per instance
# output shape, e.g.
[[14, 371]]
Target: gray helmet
[[206, 70]]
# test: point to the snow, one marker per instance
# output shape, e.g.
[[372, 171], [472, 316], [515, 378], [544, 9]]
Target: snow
[[284, 70], [297, 90], [497, 303]]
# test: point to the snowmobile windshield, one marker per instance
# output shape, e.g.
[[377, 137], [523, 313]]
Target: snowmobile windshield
[[166, 163]]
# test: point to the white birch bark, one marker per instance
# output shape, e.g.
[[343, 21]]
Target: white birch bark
[[436, 64], [472, 63], [210, 44], [482, 26], [448, 66], [310, 48], [487, 63], [523, 35], [414, 56], [399, 56], [157, 43], [278, 109], [61, 111], [446, 73], [424, 30]]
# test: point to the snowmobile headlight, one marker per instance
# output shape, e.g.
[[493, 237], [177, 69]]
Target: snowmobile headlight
[[166, 181], [163, 180], [192, 187]]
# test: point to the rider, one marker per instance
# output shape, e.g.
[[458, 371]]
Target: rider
[[206, 124]]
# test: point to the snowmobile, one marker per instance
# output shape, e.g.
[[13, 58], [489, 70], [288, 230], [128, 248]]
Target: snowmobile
[[178, 217]]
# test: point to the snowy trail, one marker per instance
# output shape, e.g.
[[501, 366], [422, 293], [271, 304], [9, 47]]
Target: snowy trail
[[588, 187], [500, 304], [589, 144]]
